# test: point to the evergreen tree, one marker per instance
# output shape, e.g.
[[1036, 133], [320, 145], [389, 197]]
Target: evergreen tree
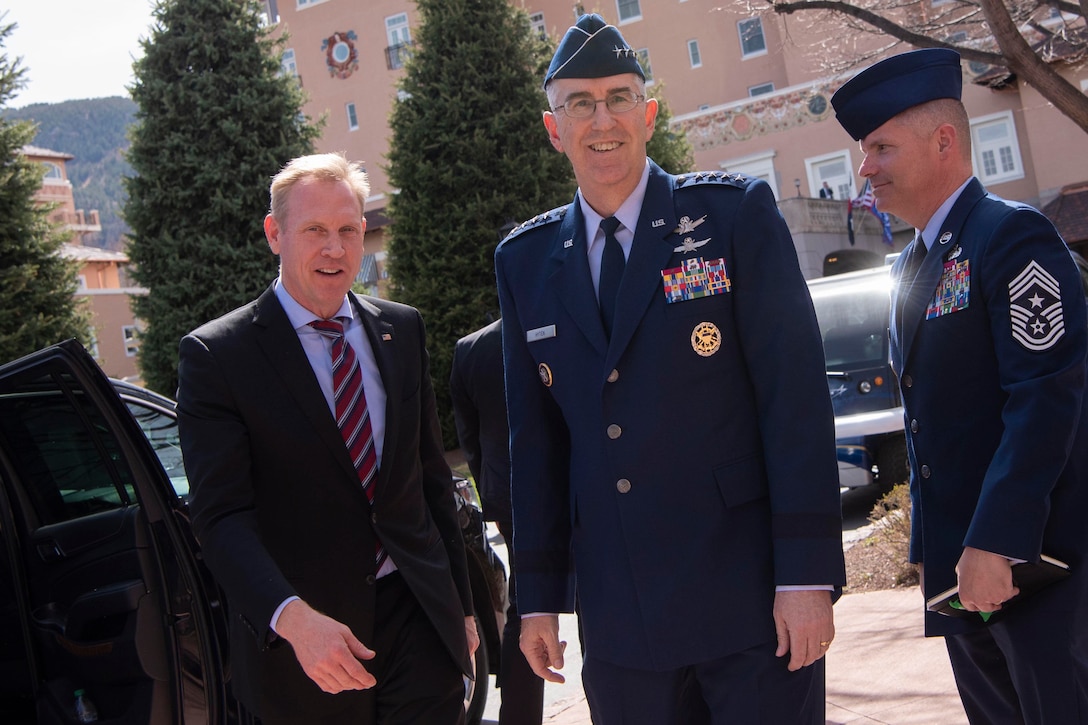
[[37, 285], [470, 158], [670, 149], [215, 121]]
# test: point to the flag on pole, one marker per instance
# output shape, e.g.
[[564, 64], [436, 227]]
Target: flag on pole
[[866, 200]]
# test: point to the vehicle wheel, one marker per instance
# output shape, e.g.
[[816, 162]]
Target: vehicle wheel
[[892, 466], [476, 692]]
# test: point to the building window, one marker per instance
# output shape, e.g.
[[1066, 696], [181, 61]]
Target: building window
[[835, 169], [995, 149], [288, 62], [81, 283], [307, 3], [353, 119], [131, 337], [752, 42], [644, 61], [400, 40], [536, 22], [53, 173], [760, 165], [693, 54], [628, 10], [761, 89]]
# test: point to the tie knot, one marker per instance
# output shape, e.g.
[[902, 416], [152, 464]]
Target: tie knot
[[610, 225], [329, 328]]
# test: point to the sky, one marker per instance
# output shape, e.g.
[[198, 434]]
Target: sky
[[74, 49]]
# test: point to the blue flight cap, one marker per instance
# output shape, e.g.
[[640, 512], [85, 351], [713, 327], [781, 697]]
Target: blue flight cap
[[871, 98], [592, 49]]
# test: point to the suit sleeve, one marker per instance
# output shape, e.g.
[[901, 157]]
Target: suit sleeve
[[465, 414], [781, 344]]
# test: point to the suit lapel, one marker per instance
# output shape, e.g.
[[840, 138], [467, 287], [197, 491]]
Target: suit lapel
[[917, 295], [650, 253], [572, 281]]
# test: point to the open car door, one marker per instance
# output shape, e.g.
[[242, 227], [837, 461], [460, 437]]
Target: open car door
[[101, 588]]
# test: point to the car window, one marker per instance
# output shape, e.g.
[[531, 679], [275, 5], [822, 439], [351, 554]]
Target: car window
[[161, 429], [62, 449], [853, 318]]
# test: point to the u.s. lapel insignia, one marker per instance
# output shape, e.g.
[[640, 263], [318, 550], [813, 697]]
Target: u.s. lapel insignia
[[690, 245], [706, 339], [657, 223], [545, 374], [568, 244], [1035, 306], [687, 226]]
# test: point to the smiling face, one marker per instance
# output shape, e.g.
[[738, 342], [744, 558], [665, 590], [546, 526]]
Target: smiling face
[[319, 241], [607, 151]]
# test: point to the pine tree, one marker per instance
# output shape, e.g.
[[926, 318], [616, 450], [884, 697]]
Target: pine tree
[[215, 121], [470, 158], [669, 149], [37, 285]]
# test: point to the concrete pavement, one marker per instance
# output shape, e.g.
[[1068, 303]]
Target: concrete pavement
[[880, 669]]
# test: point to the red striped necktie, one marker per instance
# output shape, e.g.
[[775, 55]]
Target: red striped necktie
[[352, 416]]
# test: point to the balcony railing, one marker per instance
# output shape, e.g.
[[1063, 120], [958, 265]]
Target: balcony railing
[[395, 55]]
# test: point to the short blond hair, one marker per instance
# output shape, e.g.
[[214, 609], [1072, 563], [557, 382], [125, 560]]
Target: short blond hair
[[324, 167]]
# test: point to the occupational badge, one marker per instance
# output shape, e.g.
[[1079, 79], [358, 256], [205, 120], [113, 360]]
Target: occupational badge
[[706, 338], [545, 374], [955, 253], [690, 245], [945, 238], [1035, 308], [687, 226], [695, 278], [953, 291]]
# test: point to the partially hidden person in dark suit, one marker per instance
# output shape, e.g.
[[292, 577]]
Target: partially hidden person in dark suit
[[479, 409], [826, 192], [345, 574], [672, 447], [989, 341]]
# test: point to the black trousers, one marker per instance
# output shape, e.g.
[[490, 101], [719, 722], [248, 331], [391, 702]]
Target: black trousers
[[521, 690]]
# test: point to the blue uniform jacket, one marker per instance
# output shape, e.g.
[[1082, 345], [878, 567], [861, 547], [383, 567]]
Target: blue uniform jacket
[[989, 342], [687, 467]]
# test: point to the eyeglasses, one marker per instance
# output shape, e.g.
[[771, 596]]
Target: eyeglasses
[[619, 102]]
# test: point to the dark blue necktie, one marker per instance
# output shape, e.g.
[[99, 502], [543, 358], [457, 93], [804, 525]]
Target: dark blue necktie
[[612, 265]]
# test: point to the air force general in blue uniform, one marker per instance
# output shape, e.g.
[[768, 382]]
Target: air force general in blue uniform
[[989, 340], [674, 472]]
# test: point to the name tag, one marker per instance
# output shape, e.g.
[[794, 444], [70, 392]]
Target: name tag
[[540, 333]]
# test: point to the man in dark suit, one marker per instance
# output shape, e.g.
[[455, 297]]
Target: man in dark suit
[[479, 410], [345, 575], [826, 192], [989, 341], [672, 447]]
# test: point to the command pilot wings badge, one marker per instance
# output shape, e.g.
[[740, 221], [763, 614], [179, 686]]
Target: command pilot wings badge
[[687, 226], [1035, 308], [690, 245]]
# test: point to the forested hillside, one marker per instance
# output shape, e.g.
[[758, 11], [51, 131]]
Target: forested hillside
[[94, 131]]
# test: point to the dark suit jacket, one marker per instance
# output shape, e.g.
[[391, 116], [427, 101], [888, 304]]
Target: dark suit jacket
[[276, 503], [479, 410], [685, 486], [994, 405]]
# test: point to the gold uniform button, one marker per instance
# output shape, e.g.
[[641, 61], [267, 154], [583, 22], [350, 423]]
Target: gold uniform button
[[613, 376], [623, 485], [614, 431]]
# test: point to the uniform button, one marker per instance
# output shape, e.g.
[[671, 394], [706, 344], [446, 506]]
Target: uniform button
[[908, 381], [623, 485], [614, 376], [614, 431], [914, 425], [926, 473], [370, 579]]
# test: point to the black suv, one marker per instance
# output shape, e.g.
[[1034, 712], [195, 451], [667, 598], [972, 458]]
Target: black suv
[[102, 587]]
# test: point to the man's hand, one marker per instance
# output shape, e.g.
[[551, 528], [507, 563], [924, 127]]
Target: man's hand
[[985, 580], [805, 625], [472, 634], [327, 650], [541, 646]]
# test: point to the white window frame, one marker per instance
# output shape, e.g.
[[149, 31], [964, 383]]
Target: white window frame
[[759, 164], [397, 29], [288, 62], [815, 170], [303, 4], [740, 35], [1005, 152], [694, 54], [537, 24], [130, 336], [353, 116], [760, 89], [647, 65], [629, 18]]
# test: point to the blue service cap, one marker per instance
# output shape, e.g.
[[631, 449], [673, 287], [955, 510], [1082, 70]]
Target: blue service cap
[[871, 98], [592, 49]]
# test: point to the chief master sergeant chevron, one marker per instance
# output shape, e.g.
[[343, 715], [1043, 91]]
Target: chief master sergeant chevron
[[674, 447]]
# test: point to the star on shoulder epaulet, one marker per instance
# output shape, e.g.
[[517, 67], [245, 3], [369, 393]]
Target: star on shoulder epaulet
[[539, 220], [711, 177]]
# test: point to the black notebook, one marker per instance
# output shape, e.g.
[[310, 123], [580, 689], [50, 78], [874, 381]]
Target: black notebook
[[1029, 576]]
